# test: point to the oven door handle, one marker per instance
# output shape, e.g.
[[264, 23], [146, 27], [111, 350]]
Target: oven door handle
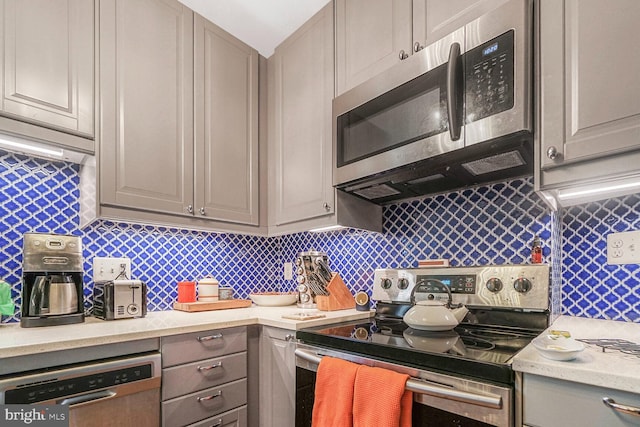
[[423, 387]]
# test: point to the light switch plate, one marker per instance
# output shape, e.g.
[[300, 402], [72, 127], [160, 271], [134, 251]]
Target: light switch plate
[[623, 248], [288, 271], [105, 269]]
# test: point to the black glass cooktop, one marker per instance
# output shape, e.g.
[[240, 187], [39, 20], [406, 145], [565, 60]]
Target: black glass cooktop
[[468, 350]]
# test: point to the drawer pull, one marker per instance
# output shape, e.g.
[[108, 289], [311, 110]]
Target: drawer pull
[[210, 367], [210, 337], [625, 409], [211, 396], [218, 423]]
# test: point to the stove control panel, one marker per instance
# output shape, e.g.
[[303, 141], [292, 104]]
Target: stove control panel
[[522, 286]]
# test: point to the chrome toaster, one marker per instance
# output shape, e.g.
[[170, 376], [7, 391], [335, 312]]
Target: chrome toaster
[[119, 299]]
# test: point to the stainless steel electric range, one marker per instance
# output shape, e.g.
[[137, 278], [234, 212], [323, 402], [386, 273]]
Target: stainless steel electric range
[[460, 377]]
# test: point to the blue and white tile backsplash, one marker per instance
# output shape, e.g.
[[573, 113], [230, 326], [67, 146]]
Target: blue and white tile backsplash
[[490, 224]]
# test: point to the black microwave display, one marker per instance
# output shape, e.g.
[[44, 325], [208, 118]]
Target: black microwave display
[[489, 78]]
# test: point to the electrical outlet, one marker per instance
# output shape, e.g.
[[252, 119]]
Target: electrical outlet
[[623, 248], [105, 269], [288, 271]]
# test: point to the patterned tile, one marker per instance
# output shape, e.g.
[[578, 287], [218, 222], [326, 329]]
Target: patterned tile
[[485, 225]]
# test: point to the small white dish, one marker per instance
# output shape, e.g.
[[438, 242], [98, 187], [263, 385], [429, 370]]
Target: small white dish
[[273, 299], [557, 347]]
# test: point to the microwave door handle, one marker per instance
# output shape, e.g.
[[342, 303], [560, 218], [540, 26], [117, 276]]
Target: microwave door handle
[[453, 66]]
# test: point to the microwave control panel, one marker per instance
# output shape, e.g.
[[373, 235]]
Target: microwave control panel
[[489, 78]]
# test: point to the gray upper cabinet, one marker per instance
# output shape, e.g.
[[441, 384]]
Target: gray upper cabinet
[[589, 126], [226, 126], [434, 19], [146, 100], [300, 143], [371, 36], [48, 70], [179, 109]]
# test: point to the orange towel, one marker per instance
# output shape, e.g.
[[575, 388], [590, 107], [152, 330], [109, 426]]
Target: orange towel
[[333, 405], [380, 399]]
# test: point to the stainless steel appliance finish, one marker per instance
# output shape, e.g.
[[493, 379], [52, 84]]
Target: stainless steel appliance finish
[[462, 374], [523, 286], [52, 280], [313, 276], [124, 391], [119, 299], [457, 113]]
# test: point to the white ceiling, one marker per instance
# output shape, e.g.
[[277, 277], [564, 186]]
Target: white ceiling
[[262, 24]]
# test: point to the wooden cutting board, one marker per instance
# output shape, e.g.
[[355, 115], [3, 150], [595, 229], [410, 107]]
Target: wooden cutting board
[[211, 305]]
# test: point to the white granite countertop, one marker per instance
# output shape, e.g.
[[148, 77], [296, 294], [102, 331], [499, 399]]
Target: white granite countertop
[[611, 369], [18, 341]]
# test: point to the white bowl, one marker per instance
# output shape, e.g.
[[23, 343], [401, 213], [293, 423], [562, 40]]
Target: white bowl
[[274, 299], [557, 347]]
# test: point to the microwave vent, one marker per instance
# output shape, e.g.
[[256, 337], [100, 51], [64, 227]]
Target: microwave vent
[[377, 192], [495, 163]]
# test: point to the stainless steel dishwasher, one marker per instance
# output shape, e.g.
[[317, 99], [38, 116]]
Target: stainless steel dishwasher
[[123, 391]]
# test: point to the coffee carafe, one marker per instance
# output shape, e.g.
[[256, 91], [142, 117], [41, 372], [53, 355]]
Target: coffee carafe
[[51, 280]]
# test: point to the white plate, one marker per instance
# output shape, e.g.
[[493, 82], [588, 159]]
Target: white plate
[[273, 300], [557, 347]]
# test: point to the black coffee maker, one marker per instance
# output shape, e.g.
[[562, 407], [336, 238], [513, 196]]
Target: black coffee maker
[[51, 280]]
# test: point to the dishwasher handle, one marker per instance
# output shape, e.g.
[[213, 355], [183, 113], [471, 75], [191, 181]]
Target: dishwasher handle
[[88, 397]]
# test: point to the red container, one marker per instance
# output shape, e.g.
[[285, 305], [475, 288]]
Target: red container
[[186, 291]]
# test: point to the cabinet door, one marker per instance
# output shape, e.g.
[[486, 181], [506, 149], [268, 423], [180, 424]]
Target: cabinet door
[[226, 126], [277, 378], [370, 36], [301, 141], [146, 100], [589, 80], [47, 63], [435, 19]]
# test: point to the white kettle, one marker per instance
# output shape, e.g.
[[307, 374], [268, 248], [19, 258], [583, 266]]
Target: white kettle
[[433, 315]]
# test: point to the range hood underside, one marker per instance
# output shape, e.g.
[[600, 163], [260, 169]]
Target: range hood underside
[[491, 161]]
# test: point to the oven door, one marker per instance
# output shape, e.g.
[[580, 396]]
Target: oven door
[[438, 399], [408, 113]]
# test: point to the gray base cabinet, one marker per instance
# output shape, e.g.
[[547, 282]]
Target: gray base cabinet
[[47, 71], [277, 377], [204, 378], [550, 402], [589, 123]]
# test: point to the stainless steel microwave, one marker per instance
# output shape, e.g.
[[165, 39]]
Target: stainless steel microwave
[[455, 114]]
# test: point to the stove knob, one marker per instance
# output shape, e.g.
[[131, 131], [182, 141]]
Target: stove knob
[[298, 261], [386, 283], [403, 283], [494, 284], [302, 289], [522, 285], [301, 279], [304, 298], [300, 270]]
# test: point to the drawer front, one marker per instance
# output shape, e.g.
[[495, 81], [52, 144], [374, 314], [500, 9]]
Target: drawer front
[[234, 418], [202, 374], [185, 348], [204, 404]]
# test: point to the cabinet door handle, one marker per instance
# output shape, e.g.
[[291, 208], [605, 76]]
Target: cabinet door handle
[[218, 423], [552, 153], [211, 396], [625, 409], [403, 55], [210, 367], [209, 337], [326, 206], [417, 47], [289, 337], [202, 211], [190, 208]]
